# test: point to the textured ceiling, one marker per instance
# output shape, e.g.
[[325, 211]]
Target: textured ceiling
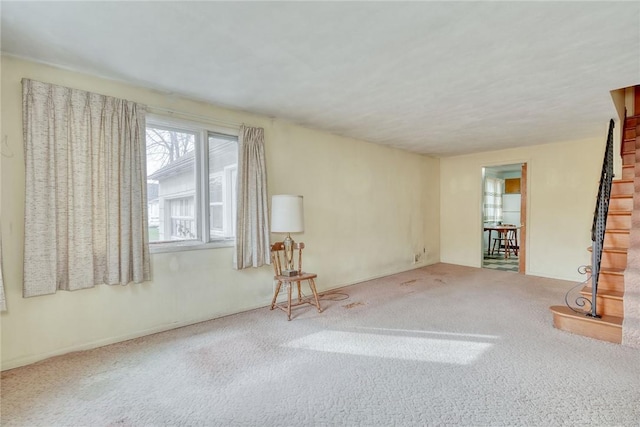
[[439, 78]]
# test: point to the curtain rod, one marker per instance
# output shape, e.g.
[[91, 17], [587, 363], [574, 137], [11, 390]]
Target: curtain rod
[[194, 117]]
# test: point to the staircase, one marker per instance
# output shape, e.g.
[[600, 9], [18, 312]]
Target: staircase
[[610, 285]]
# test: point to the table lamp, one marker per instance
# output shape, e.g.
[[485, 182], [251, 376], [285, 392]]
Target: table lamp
[[287, 216]]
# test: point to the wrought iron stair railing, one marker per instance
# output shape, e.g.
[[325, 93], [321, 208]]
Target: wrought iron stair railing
[[598, 229]]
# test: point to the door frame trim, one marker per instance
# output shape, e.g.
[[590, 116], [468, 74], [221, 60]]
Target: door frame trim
[[524, 203]]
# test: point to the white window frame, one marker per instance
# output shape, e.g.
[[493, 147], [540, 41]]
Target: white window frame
[[221, 203], [203, 239]]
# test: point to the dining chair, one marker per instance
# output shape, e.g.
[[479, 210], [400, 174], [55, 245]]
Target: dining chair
[[507, 240], [277, 257]]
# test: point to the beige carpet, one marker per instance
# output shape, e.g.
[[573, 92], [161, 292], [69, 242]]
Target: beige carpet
[[442, 345]]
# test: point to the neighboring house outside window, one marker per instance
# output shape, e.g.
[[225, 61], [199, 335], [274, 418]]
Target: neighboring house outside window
[[154, 206], [179, 157]]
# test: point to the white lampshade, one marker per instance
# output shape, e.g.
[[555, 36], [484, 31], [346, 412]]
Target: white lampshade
[[287, 214]]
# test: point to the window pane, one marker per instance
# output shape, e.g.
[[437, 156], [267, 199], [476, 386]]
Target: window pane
[[183, 224], [171, 184], [216, 220], [223, 160], [215, 188]]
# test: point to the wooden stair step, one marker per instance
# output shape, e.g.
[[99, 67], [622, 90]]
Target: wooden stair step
[[608, 302], [621, 202], [629, 145], [619, 220], [613, 257], [619, 212], [628, 171], [611, 249], [622, 186], [614, 237], [606, 328], [611, 279], [629, 157], [617, 295]]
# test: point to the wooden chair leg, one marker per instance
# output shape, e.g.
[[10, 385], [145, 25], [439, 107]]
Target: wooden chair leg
[[312, 285], [275, 295], [299, 293], [511, 243], [505, 238], [289, 301]]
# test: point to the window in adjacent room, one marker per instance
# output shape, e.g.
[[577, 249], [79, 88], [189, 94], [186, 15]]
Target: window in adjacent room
[[191, 184], [492, 206]]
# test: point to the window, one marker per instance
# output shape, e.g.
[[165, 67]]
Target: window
[[191, 183], [492, 206]]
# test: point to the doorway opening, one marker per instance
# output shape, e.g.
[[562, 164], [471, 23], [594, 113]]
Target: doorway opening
[[504, 217]]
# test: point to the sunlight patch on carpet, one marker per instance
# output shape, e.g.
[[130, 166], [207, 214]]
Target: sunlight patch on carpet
[[393, 347], [415, 331]]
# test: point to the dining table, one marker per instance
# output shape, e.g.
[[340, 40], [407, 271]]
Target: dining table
[[502, 233]]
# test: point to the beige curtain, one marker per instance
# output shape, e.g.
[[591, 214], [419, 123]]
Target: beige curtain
[[252, 226], [85, 208]]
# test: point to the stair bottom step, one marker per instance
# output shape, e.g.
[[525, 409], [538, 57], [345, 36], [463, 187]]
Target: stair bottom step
[[607, 328], [609, 302]]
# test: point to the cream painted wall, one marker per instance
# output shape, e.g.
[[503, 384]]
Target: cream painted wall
[[629, 100], [368, 209], [562, 187]]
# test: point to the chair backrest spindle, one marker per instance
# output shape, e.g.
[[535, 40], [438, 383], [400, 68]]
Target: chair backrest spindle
[[277, 255]]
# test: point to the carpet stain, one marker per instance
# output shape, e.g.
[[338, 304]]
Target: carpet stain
[[440, 281], [407, 283], [353, 304], [6, 374]]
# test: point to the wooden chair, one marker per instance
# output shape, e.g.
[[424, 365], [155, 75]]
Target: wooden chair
[[277, 257], [507, 241]]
